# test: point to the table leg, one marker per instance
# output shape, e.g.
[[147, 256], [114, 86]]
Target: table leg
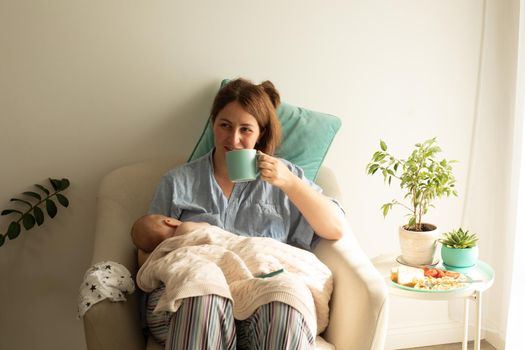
[[477, 295], [465, 325]]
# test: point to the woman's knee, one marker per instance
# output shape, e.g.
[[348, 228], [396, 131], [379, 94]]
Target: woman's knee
[[275, 326], [202, 322]]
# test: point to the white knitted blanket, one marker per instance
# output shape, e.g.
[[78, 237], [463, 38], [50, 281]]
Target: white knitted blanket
[[213, 261]]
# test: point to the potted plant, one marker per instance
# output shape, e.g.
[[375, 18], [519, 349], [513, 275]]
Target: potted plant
[[459, 249], [424, 178]]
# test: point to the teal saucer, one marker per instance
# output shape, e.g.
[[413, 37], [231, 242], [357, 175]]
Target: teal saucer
[[464, 269]]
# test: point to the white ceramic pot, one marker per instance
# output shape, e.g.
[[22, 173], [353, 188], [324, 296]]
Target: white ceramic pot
[[419, 247]]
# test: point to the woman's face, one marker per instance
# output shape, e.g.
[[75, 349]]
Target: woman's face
[[234, 129]]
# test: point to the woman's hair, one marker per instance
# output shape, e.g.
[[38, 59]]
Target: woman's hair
[[258, 100]]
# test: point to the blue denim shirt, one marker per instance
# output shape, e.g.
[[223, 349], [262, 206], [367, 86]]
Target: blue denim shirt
[[255, 208]]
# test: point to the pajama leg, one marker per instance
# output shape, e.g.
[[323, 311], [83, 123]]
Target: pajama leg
[[203, 323], [274, 326], [158, 323]]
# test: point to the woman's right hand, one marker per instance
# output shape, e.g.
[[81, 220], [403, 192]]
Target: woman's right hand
[[325, 217]]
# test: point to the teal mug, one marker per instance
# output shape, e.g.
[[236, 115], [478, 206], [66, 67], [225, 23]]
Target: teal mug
[[242, 165]]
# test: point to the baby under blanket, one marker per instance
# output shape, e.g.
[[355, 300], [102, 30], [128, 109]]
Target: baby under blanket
[[104, 280], [213, 261]]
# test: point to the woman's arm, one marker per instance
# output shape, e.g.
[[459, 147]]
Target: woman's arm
[[325, 217]]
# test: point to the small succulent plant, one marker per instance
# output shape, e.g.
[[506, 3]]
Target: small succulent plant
[[459, 239]]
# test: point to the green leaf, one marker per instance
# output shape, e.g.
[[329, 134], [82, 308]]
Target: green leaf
[[383, 145], [21, 200], [59, 185], [2, 240], [33, 194], [9, 211], [62, 200], [412, 220], [64, 183], [39, 215], [13, 230], [55, 183], [42, 188], [29, 221], [51, 208], [375, 155], [373, 168], [386, 208], [379, 157]]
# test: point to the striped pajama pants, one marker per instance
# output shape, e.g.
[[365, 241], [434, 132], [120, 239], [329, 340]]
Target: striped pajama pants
[[207, 322]]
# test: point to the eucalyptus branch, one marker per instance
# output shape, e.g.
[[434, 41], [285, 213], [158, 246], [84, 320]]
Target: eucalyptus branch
[[34, 213]]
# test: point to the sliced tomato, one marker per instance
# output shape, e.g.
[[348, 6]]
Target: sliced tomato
[[431, 273], [439, 273]]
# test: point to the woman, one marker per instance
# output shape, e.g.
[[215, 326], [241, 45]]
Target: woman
[[281, 203]]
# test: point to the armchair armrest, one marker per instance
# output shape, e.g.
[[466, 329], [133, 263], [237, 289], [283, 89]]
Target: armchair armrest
[[124, 332], [123, 197], [359, 304]]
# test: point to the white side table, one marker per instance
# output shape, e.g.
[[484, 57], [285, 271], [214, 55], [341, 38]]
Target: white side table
[[482, 272]]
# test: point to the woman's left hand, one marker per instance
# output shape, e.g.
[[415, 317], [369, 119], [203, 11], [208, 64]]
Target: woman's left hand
[[274, 171]]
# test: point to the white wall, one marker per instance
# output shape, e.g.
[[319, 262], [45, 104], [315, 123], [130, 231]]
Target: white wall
[[88, 86]]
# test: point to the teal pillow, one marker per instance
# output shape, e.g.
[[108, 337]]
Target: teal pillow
[[306, 137]]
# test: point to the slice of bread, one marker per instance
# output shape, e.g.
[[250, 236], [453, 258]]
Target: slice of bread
[[408, 276]]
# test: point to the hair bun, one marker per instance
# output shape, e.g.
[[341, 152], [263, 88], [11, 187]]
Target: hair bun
[[272, 92]]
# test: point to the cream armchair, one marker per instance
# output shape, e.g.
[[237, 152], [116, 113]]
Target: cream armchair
[[359, 302]]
